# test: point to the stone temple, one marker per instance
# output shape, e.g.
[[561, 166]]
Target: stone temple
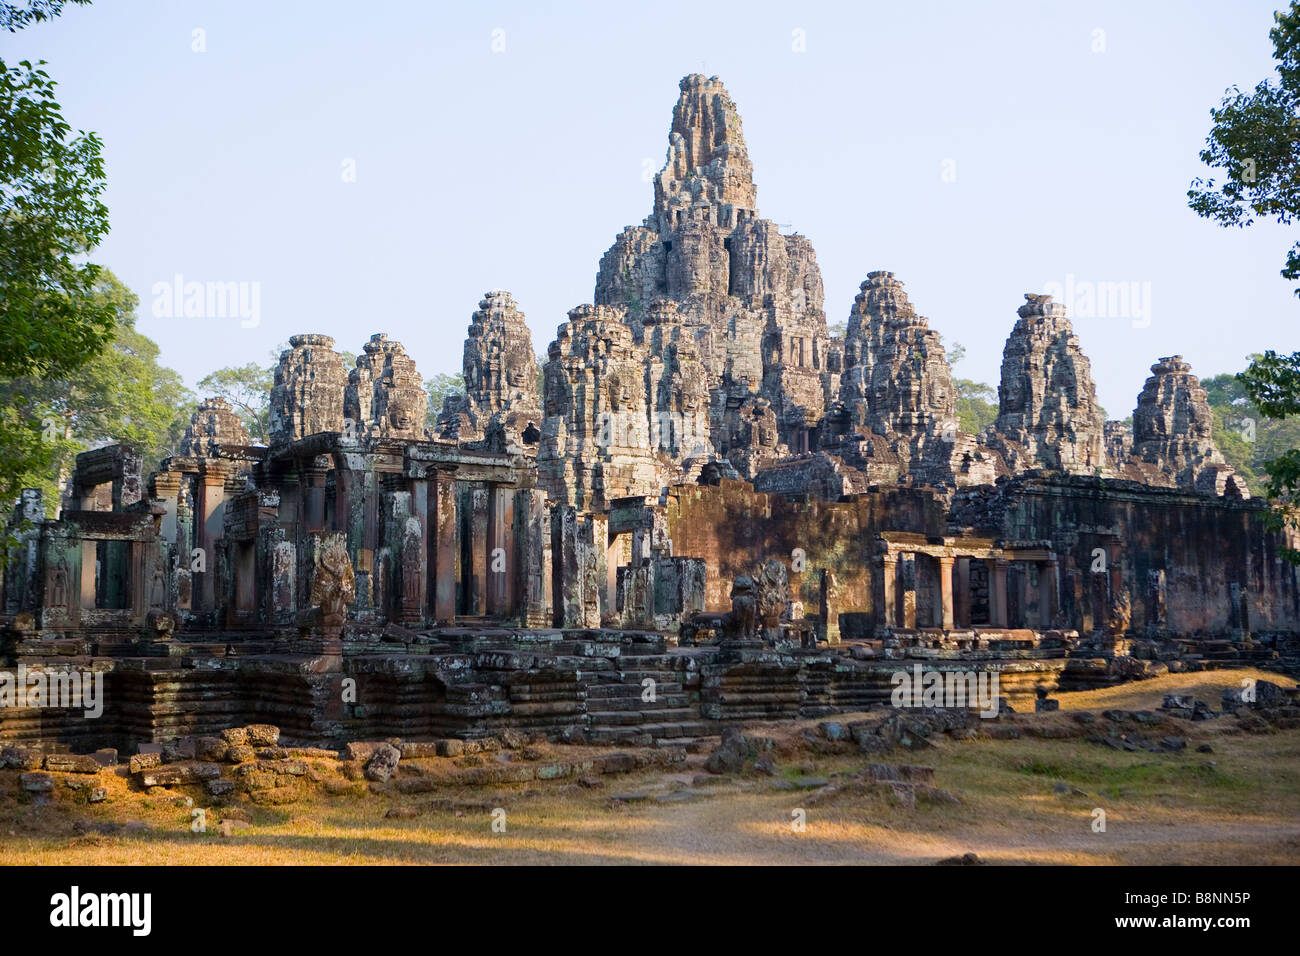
[[699, 486]]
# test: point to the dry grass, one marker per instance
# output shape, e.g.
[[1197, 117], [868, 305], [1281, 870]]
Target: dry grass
[[1240, 804]]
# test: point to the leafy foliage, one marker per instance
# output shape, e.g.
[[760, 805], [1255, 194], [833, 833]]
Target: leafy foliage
[[54, 317], [1255, 141], [15, 16], [50, 215], [123, 396], [977, 405], [248, 389], [439, 387]]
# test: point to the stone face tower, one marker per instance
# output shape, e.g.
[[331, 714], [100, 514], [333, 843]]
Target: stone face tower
[[501, 378], [727, 347], [1048, 416], [897, 384], [1173, 429], [307, 394], [385, 396]]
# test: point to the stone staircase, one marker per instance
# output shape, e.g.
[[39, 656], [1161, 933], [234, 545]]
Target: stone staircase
[[619, 714]]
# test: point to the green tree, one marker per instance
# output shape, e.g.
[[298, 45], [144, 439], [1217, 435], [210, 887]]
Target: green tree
[[15, 16], [51, 216], [123, 396], [977, 405], [1255, 142], [248, 389], [439, 387], [1273, 384]]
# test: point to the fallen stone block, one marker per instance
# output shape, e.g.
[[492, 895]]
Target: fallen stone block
[[72, 763], [211, 748], [36, 782], [382, 763], [20, 758], [449, 748], [263, 735], [147, 761]]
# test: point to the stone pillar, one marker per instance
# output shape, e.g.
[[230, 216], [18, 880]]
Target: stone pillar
[[907, 583], [1047, 596], [888, 613], [501, 550], [209, 516], [998, 592], [593, 533], [167, 488], [86, 591], [533, 543], [477, 552], [414, 559], [945, 591], [830, 606], [313, 510], [961, 593], [566, 601], [446, 564]]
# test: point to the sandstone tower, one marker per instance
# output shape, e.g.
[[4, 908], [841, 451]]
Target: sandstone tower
[[707, 337]]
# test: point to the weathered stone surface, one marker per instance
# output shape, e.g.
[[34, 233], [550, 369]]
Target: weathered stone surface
[[1172, 441], [213, 426], [707, 337], [896, 419], [501, 400], [382, 763], [145, 761], [263, 735], [1048, 416], [384, 396], [20, 758], [72, 763], [36, 782], [307, 395]]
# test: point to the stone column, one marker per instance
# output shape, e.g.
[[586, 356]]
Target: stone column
[[830, 606], [414, 558], [961, 593], [446, 550], [907, 580], [998, 592], [566, 601], [1047, 597], [210, 513], [477, 552], [945, 591], [167, 488], [887, 570], [313, 505], [533, 544], [501, 549]]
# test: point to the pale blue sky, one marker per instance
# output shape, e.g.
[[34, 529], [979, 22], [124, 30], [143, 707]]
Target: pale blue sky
[[478, 169]]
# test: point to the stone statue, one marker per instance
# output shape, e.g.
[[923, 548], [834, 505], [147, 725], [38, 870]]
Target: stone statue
[[1121, 614], [333, 586], [772, 600], [740, 624], [59, 587]]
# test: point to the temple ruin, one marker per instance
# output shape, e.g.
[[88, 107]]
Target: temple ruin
[[699, 487]]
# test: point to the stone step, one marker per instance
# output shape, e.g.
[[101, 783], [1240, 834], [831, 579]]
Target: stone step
[[661, 701], [603, 691], [623, 718]]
